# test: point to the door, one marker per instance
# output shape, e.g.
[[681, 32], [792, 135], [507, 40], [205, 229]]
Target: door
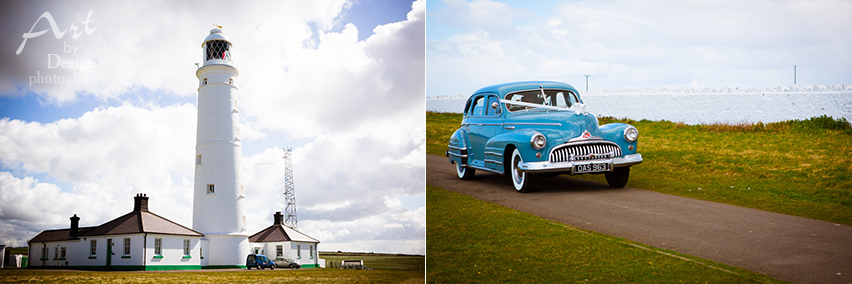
[[109, 254], [483, 126]]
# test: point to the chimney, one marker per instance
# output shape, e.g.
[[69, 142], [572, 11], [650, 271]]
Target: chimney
[[75, 225], [140, 203], [279, 219]]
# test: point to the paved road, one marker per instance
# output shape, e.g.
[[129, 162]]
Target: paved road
[[785, 247]]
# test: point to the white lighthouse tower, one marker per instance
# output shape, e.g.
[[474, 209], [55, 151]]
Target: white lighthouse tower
[[219, 197]]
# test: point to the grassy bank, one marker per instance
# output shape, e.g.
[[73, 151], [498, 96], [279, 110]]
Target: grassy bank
[[239, 276], [465, 247], [801, 168], [378, 261]]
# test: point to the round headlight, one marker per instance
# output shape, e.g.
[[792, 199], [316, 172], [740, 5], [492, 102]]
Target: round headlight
[[631, 134], [538, 141]]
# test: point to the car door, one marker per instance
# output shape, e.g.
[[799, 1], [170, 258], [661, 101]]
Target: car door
[[484, 122]]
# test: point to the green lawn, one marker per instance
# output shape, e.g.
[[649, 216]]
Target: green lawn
[[240, 276], [801, 168], [476, 241], [378, 261]]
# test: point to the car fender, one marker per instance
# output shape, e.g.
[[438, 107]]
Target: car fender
[[520, 139], [457, 147], [615, 132]]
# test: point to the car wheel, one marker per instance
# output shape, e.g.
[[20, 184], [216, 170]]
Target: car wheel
[[618, 177], [522, 181], [272, 267], [293, 266], [464, 173]]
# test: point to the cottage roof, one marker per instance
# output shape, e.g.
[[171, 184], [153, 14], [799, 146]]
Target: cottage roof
[[280, 233], [56, 235], [140, 220]]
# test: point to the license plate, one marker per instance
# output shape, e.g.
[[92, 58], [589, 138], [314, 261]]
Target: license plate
[[591, 168]]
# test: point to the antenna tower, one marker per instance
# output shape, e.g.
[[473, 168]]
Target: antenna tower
[[289, 190]]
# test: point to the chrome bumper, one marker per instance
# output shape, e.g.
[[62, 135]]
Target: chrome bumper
[[568, 167]]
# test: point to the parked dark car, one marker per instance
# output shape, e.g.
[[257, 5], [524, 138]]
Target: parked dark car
[[260, 261]]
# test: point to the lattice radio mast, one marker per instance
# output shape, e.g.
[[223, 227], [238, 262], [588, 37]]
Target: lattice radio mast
[[289, 190]]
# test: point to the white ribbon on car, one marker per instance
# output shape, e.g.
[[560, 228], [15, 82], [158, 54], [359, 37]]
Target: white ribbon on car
[[578, 108]]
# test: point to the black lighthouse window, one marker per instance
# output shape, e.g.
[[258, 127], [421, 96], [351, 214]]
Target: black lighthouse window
[[217, 49]]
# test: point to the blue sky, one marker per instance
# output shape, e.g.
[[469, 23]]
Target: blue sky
[[636, 44], [303, 66]]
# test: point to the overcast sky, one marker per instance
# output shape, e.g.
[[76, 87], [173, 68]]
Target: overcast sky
[[341, 82], [637, 44]]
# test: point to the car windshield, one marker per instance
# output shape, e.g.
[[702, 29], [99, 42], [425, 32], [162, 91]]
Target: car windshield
[[551, 98]]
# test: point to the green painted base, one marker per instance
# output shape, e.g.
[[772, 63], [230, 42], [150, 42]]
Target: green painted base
[[223, 266], [125, 267], [309, 266]]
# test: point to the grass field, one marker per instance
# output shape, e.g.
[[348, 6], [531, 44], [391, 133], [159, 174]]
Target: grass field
[[801, 168], [378, 261], [237, 276], [466, 246]]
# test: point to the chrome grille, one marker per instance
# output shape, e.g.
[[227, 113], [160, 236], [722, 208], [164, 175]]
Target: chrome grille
[[584, 151]]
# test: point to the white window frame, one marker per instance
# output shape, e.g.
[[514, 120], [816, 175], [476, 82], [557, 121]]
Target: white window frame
[[158, 246], [311, 251], [126, 246], [279, 251], [63, 253], [211, 188], [299, 251], [93, 248], [186, 247]]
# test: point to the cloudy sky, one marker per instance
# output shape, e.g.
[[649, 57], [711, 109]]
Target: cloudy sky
[[625, 44], [339, 81]]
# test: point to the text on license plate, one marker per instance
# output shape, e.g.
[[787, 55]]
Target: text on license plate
[[591, 168]]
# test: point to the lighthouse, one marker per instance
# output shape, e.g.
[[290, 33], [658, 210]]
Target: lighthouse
[[219, 210]]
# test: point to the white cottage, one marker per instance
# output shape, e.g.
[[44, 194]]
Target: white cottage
[[279, 241], [139, 240]]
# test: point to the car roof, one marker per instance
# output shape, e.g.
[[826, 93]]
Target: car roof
[[505, 88]]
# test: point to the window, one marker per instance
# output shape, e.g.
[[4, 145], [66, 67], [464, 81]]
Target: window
[[242, 192], [492, 111], [204, 81], [198, 160], [62, 254], [56, 253], [312, 252], [186, 247], [210, 188], [93, 249], [44, 252], [126, 246], [476, 109], [299, 251], [550, 98], [279, 250], [231, 81], [158, 246]]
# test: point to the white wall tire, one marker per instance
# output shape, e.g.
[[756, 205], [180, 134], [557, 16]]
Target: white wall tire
[[523, 182], [464, 173]]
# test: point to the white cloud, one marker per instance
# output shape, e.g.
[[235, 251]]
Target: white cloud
[[629, 44]]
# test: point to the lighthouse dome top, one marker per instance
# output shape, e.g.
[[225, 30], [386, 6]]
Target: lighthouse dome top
[[217, 48], [216, 34]]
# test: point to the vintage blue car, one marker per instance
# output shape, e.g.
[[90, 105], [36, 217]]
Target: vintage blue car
[[526, 130]]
